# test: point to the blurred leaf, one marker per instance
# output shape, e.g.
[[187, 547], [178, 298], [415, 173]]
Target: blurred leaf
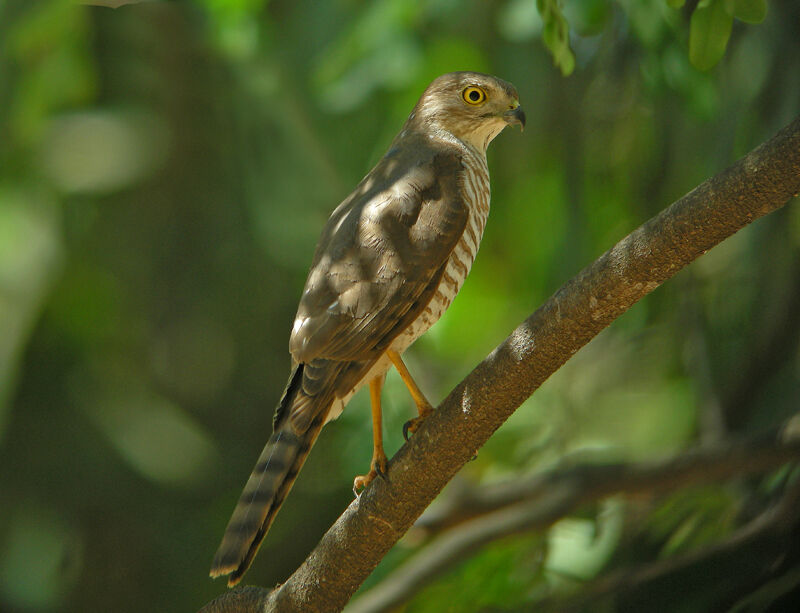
[[377, 50], [588, 17], [500, 574], [676, 4], [653, 22], [520, 20], [103, 150], [30, 256], [555, 34], [49, 43], [40, 559], [579, 548], [234, 25], [155, 437], [693, 518], [709, 32], [749, 11]]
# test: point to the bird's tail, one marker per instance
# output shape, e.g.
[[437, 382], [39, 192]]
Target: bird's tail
[[269, 483]]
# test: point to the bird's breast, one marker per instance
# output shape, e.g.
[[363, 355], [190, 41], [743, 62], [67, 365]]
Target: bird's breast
[[474, 185], [475, 192]]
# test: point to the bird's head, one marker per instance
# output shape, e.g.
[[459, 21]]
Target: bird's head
[[472, 106]]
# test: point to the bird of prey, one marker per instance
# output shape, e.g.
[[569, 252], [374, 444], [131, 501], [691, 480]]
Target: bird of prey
[[390, 260]]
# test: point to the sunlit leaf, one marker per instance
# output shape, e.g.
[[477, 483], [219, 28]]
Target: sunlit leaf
[[578, 548], [709, 32], [555, 35]]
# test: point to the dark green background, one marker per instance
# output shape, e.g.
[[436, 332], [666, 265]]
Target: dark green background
[[165, 170]]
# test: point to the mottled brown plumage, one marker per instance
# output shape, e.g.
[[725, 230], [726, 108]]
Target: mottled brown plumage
[[390, 260]]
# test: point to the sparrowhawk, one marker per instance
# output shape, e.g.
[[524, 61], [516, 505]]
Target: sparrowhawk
[[390, 260]]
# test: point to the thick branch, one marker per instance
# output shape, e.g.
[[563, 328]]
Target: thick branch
[[537, 502], [759, 183]]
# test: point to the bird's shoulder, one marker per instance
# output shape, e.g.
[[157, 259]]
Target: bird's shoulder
[[416, 171]]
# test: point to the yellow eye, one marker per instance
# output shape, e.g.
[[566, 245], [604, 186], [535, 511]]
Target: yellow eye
[[474, 95]]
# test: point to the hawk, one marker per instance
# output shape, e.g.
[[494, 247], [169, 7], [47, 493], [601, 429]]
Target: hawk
[[390, 260]]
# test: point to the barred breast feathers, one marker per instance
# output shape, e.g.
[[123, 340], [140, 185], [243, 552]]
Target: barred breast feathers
[[475, 193], [473, 185]]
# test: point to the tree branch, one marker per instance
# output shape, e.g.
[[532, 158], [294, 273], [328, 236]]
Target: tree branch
[[759, 183], [537, 502]]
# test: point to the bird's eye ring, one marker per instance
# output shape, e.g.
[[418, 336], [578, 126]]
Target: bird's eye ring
[[473, 95]]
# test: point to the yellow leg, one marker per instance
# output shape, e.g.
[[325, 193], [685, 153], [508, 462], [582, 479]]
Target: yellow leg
[[378, 464], [423, 406]]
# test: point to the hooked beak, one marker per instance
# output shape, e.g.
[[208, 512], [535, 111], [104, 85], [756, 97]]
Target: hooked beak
[[515, 116]]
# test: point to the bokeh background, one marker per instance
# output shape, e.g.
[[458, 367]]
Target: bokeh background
[[165, 169]]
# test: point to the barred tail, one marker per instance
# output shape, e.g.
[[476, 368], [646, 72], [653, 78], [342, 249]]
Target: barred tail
[[268, 485]]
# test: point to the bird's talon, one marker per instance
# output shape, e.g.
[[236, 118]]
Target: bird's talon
[[412, 425], [380, 468], [377, 469], [361, 482]]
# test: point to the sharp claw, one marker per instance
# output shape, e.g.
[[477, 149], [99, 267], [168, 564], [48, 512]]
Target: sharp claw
[[382, 471], [412, 424], [377, 469]]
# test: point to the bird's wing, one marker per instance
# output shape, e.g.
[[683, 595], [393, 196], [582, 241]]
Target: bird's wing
[[381, 256]]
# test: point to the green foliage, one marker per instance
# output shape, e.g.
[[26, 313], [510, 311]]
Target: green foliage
[[555, 34], [693, 518], [48, 49], [500, 575], [165, 169], [711, 26], [709, 34]]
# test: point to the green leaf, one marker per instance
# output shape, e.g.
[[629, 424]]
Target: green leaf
[[709, 32], [750, 11], [555, 34], [676, 4]]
